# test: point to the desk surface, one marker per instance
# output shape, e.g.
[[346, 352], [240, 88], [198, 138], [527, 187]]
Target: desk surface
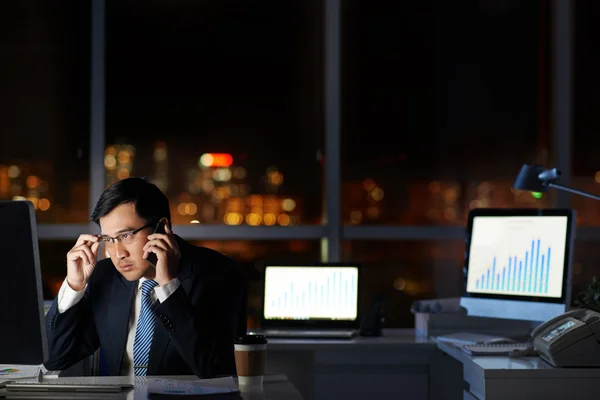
[[516, 367], [275, 387]]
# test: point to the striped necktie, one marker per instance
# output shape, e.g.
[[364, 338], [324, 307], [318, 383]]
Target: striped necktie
[[144, 331]]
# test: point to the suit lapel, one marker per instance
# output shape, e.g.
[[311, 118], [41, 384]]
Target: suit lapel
[[123, 292], [161, 337]]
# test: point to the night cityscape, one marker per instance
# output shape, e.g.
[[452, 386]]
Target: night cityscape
[[221, 105]]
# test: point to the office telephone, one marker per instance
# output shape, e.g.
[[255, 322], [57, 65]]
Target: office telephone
[[569, 340]]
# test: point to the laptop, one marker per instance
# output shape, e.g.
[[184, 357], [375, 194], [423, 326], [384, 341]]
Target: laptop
[[311, 301]]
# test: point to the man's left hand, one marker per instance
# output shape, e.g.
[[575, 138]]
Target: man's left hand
[[164, 245]]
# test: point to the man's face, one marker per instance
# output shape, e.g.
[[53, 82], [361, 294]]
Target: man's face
[[127, 254]]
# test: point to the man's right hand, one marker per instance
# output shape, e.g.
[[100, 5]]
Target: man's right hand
[[81, 261]]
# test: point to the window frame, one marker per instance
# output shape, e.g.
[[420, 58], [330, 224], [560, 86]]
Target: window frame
[[332, 232]]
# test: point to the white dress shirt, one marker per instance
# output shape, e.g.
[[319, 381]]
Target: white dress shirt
[[68, 297]]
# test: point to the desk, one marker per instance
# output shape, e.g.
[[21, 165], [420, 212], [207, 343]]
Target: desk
[[275, 387], [526, 378], [397, 365]]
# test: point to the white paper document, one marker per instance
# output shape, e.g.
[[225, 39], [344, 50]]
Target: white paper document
[[182, 387], [11, 372]]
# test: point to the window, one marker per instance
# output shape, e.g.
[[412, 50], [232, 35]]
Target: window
[[220, 104], [586, 164], [53, 263], [404, 271], [44, 107], [253, 254], [442, 104]]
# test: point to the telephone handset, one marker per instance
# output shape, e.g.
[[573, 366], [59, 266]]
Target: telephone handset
[[159, 228], [570, 340]]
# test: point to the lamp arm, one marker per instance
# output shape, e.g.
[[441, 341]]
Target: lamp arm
[[575, 191]]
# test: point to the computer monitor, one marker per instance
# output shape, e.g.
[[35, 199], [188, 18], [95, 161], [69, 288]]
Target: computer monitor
[[518, 263], [22, 329], [304, 296]]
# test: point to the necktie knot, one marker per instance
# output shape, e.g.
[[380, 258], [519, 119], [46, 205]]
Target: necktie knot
[[147, 287]]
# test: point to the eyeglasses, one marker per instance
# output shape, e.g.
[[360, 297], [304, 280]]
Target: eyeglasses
[[125, 237]]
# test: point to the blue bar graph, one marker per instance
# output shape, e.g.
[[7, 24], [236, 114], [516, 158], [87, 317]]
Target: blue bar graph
[[335, 291], [528, 273]]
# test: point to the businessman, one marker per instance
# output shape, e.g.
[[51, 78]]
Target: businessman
[[157, 306]]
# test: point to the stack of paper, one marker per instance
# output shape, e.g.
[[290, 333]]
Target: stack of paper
[[11, 372]]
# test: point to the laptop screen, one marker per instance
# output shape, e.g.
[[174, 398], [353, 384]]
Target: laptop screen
[[324, 292]]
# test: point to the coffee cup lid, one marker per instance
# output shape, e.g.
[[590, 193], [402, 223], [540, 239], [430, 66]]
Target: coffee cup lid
[[251, 339]]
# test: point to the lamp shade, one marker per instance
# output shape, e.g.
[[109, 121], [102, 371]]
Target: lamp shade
[[529, 180]]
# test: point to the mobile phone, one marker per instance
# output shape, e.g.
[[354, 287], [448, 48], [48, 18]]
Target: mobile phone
[[160, 228]]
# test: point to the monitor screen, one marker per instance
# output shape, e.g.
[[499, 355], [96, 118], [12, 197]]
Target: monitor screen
[[23, 335], [518, 263], [311, 292], [518, 255]]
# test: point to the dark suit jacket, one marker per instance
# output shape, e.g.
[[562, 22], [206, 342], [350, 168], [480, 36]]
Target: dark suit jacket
[[195, 326]]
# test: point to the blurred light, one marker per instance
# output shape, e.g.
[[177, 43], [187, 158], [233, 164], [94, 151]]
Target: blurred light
[[34, 201], [215, 160], [537, 195], [450, 195], [434, 186], [160, 154], [19, 198], [222, 174], [275, 178], [208, 186], [233, 218], [368, 184], [373, 212], [123, 173], [597, 177], [255, 200], [194, 221], [377, 194], [271, 169], [485, 188], [124, 157], [44, 204], [253, 219], [13, 171], [110, 162], [181, 208], [288, 205], [190, 208], [450, 214], [283, 219], [111, 150], [269, 219], [32, 181], [257, 210], [399, 284], [355, 216]]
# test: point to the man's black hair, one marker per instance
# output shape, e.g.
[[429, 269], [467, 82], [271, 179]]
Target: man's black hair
[[150, 203]]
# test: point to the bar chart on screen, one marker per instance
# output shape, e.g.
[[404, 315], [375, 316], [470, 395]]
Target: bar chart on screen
[[526, 256], [307, 292]]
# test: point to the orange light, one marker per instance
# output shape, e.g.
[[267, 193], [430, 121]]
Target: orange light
[[216, 160]]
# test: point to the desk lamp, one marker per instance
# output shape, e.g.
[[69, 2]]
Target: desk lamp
[[535, 178]]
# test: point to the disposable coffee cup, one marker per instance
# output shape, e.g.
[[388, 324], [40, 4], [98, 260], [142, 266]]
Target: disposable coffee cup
[[250, 359]]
